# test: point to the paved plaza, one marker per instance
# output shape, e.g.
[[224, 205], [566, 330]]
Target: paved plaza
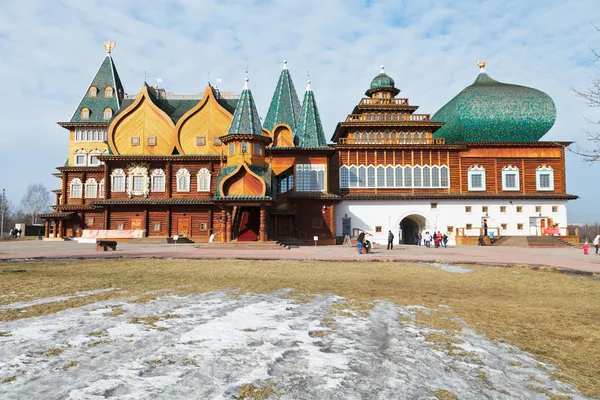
[[564, 258]]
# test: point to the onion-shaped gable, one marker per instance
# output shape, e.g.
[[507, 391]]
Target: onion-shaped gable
[[492, 111], [199, 129], [142, 128]]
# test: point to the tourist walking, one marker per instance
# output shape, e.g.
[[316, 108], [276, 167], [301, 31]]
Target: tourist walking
[[420, 237], [390, 240], [596, 243], [586, 248], [445, 240], [359, 241], [427, 239], [416, 239]]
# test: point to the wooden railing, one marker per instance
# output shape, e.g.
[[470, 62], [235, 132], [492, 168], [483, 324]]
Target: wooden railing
[[391, 141], [388, 117], [376, 101]]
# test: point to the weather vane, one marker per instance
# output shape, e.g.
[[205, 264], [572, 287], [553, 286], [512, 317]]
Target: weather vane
[[109, 45]]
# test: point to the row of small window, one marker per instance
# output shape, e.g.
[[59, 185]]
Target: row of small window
[[156, 226], [83, 158], [108, 92], [394, 176], [91, 135], [511, 178], [520, 227], [86, 112], [243, 148], [139, 181], [93, 189], [309, 178], [390, 135], [485, 209]]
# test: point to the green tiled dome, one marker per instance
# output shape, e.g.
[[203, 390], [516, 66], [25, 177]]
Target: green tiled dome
[[492, 111], [382, 82]]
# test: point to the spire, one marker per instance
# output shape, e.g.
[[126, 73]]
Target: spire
[[285, 106], [105, 77], [481, 65], [309, 130], [382, 70], [245, 118]]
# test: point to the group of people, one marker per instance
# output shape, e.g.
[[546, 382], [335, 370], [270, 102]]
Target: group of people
[[362, 242], [15, 233], [596, 244], [438, 239]]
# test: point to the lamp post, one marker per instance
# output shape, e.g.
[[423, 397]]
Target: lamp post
[[2, 223]]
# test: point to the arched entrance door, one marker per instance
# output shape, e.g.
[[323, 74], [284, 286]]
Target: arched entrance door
[[409, 226]]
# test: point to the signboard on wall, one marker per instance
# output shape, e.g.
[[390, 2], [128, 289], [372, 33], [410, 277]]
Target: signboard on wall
[[552, 231]]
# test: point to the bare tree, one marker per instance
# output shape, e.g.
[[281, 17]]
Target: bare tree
[[591, 96], [35, 201]]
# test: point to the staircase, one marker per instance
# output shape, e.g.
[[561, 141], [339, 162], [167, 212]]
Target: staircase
[[515, 241], [547, 241], [181, 240], [248, 224], [290, 242]]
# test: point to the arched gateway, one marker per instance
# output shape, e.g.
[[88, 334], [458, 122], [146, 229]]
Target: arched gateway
[[409, 226]]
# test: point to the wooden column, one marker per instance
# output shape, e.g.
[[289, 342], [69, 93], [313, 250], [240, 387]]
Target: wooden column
[[210, 222], [60, 228], [168, 188], [228, 233], [223, 220], [47, 228], [106, 216], [146, 222], [65, 199], [82, 226], [332, 220], [263, 226], [106, 182], [169, 221]]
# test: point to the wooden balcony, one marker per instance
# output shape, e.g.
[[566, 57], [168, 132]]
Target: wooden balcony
[[374, 101], [388, 142], [388, 117]]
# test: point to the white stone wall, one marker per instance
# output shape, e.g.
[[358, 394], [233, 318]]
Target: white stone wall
[[367, 215]]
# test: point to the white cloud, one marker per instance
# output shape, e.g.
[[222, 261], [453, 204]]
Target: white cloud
[[51, 51]]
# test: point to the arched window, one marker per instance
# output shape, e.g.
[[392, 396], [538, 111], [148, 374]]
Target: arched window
[[101, 189], [510, 178], [203, 178], [353, 177], [371, 176], [476, 177], [444, 177], [362, 176], [386, 135], [91, 188], [85, 113], [183, 180], [356, 135], [371, 137], [427, 176], [393, 136], [108, 92], [107, 113], [379, 137], [117, 183], [76, 188], [423, 136], [321, 178], [381, 176], [158, 180], [93, 92], [435, 176], [93, 158], [408, 176], [399, 173], [389, 176], [80, 157], [343, 177], [401, 137], [417, 179], [364, 135], [544, 177]]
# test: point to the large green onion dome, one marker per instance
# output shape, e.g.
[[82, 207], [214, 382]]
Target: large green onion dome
[[382, 82], [492, 111]]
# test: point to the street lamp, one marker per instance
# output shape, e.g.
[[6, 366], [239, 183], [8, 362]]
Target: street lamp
[[2, 223]]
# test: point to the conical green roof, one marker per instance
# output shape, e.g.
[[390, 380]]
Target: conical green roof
[[106, 76], [245, 118], [285, 106], [492, 111], [309, 130]]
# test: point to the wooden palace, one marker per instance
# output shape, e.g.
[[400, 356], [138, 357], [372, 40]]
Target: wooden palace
[[157, 164]]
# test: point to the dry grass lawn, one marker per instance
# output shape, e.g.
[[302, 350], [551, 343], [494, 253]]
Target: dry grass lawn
[[554, 316]]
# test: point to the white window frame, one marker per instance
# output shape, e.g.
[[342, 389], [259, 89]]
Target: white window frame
[[353, 176], [118, 174], [184, 174], [480, 171], [142, 173], [76, 189], [399, 181], [362, 176], [311, 177], [101, 189], [94, 153], [444, 173], [80, 153], [344, 177], [158, 173], [108, 113], [426, 176], [417, 181], [544, 170], [203, 180], [91, 183], [508, 170]]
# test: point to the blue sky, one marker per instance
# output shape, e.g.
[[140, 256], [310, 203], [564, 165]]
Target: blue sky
[[51, 51]]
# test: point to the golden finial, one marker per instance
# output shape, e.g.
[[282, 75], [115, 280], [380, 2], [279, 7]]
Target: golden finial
[[481, 64], [108, 46]]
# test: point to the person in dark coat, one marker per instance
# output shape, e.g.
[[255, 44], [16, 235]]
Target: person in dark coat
[[390, 241], [359, 241]]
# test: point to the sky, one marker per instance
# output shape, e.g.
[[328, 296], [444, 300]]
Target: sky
[[51, 50]]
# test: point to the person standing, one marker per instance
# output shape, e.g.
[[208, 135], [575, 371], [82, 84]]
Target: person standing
[[445, 240], [420, 238], [359, 241], [586, 248], [390, 240], [596, 243], [427, 239]]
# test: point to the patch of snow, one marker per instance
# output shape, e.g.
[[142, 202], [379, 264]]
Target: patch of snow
[[19, 305], [457, 269], [209, 345]]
